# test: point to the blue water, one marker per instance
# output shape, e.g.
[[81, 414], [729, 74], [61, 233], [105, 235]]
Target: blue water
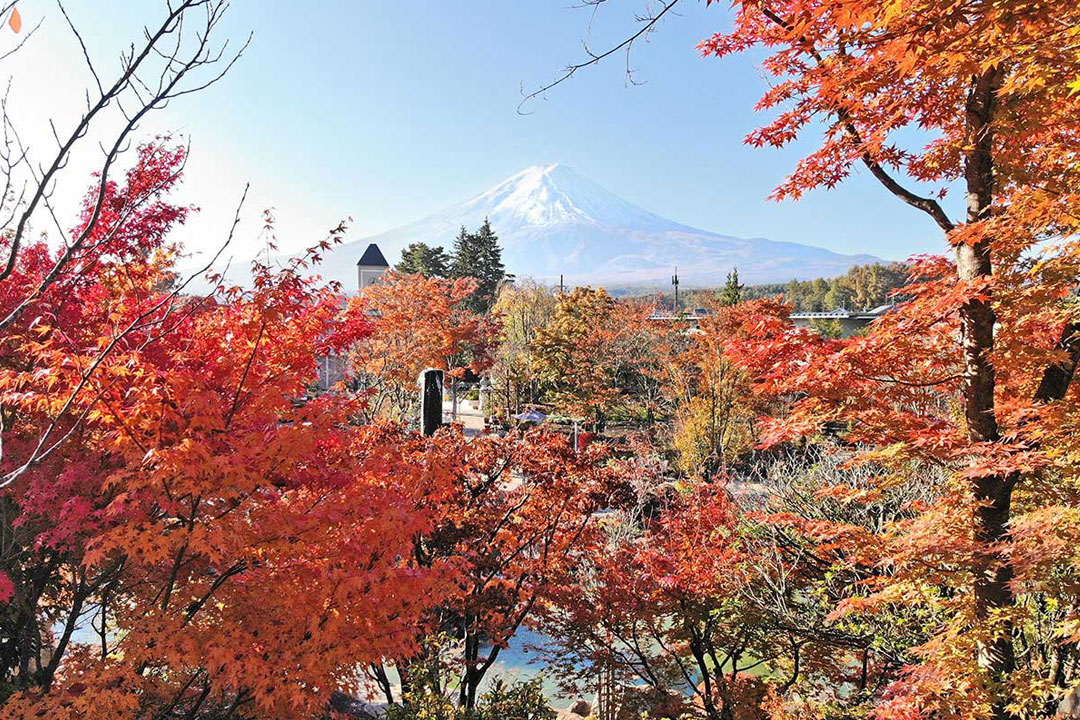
[[517, 662]]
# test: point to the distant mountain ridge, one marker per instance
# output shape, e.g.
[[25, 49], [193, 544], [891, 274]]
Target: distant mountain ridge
[[553, 221]]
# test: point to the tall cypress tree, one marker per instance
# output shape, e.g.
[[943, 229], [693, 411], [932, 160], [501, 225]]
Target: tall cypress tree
[[478, 255], [732, 292]]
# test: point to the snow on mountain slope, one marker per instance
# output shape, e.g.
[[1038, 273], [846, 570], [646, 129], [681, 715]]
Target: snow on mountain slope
[[547, 195], [551, 220]]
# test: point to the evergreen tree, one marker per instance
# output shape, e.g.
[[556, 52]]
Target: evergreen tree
[[793, 293], [840, 295], [425, 260], [863, 287], [732, 292], [819, 288], [478, 255]]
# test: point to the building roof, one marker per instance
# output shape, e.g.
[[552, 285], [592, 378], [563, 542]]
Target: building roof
[[373, 257]]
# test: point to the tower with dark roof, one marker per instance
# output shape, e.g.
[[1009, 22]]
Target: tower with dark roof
[[371, 266]]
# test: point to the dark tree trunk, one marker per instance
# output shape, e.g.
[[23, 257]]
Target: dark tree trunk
[[467, 691], [726, 692], [382, 680], [993, 494], [77, 601]]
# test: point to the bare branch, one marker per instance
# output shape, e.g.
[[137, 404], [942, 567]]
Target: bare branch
[[82, 44], [180, 63], [21, 42], [649, 24]]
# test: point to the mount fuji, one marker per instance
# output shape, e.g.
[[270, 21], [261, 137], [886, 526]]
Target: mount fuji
[[553, 221]]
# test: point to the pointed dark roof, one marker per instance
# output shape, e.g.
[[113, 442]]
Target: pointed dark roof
[[373, 257]]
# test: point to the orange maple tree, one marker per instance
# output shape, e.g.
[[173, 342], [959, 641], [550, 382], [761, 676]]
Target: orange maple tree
[[975, 372], [237, 548], [417, 322], [656, 602], [511, 526], [596, 354]]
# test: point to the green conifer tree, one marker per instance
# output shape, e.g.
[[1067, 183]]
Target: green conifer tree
[[478, 255], [819, 288], [793, 293], [732, 292], [840, 295], [424, 259]]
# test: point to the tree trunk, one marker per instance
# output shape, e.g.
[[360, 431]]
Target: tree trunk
[[382, 680], [726, 693], [993, 494], [467, 690]]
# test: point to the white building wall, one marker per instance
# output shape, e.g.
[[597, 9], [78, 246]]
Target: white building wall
[[368, 275]]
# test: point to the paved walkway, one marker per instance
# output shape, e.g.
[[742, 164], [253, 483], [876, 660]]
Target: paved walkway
[[468, 416]]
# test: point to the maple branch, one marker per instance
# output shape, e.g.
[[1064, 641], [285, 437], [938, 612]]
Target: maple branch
[[40, 452], [194, 710], [235, 569], [1057, 378], [928, 205], [795, 658], [243, 697], [174, 574], [675, 656], [243, 378], [179, 694], [70, 253], [908, 383]]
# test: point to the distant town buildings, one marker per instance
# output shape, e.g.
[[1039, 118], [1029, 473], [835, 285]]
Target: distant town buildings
[[684, 316]]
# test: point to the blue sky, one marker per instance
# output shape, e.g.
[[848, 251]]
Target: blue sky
[[387, 111]]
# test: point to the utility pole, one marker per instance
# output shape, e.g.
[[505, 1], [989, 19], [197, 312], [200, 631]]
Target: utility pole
[[675, 282], [561, 290]]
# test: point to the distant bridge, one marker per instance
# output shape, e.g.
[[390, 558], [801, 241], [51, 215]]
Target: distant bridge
[[850, 321]]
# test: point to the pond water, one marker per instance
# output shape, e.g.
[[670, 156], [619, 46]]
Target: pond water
[[519, 662], [516, 662]]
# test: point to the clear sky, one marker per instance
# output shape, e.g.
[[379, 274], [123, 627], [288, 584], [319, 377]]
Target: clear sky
[[386, 111]]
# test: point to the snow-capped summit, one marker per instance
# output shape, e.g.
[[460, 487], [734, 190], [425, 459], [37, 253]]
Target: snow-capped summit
[[554, 221], [554, 194]]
